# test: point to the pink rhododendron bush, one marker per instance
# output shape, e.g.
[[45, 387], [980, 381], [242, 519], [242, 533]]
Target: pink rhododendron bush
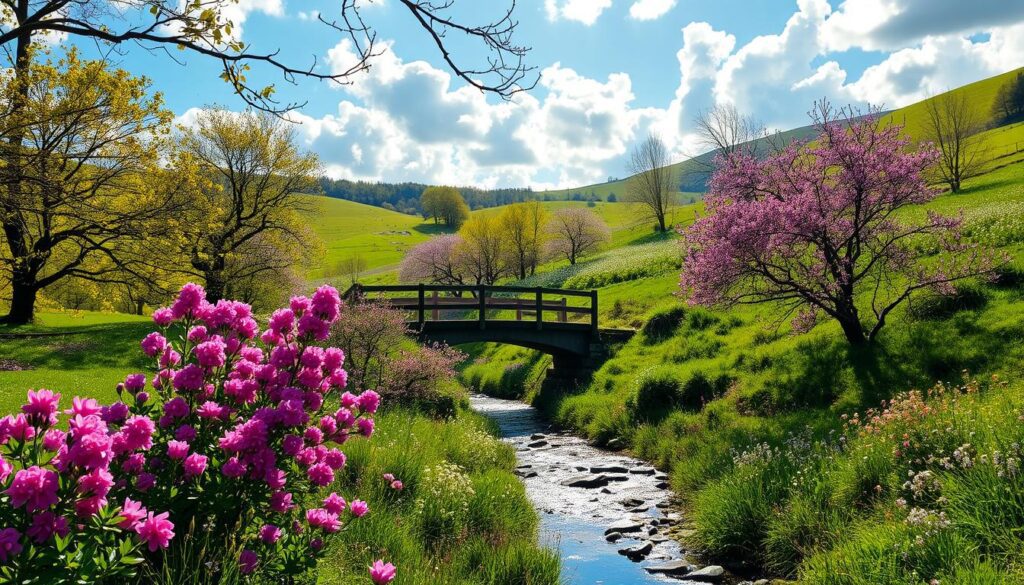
[[227, 447]]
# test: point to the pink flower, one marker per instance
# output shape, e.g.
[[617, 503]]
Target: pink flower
[[163, 317], [313, 436], [335, 459], [132, 512], [115, 413], [135, 382], [134, 463], [210, 409], [281, 502], [5, 469], [145, 481], [197, 334], [320, 474], [210, 354], [45, 525], [190, 300], [312, 326], [189, 378], [368, 401], [53, 440], [299, 304], [365, 427], [41, 407], [35, 488], [321, 518], [334, 503], [156, 531], [185, 433], [291, 445], [233, 468], [10, 546], [247, 561], [359, 508], [195, 464], [334, 358], [177, 449], [154, 344], [138, 432], [382, 572], [270, 533], [97, 482], [397, 485]]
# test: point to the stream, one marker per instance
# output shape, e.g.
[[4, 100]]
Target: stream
[[583, 494]]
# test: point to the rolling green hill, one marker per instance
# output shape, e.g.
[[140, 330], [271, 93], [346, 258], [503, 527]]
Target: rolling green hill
[[1002, 142]]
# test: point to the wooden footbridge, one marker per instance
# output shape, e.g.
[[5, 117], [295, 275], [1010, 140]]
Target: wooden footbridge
[[562, 323]]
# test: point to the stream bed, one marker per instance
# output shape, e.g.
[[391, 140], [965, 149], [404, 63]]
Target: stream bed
[[583, 494]]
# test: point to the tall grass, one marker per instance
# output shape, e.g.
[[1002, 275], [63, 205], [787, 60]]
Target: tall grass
[[462, 517]]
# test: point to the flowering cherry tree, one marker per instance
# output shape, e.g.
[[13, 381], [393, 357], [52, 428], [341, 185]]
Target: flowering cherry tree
[[232, 440], [819, 227]]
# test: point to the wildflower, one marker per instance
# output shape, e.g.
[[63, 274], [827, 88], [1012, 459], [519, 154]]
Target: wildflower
[[359, 508], [154, 344], [45, 525], [321, 518], [10, 545], [138, 432], [132, 512], [365, 427], [144, 481], [382, 572], [334, 503], [320, 474], [34, 487], [53, 440], [247, 561], [233, 468], [281, 502], [41, 407], [270, 533], [210, 354], [177, 449], [397, 485], [163, 317], [155, 530], [188, 378], [194, 465], [368, 401], [135, 382]]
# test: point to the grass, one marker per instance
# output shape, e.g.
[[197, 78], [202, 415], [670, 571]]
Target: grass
[[749, 415], [462, 517]]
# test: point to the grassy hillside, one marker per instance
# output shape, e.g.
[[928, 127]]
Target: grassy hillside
[[378, 235], [1001, 142], [749, 421]]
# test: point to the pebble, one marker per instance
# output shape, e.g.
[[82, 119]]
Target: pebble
[[709, 574], [638, 552], [671, 568], [625, 525]]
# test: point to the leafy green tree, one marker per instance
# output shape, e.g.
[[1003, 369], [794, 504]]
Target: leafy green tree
[[444, 204], [80, 187], [243, 225]]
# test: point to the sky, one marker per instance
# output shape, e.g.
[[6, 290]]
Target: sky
[[610, 72]]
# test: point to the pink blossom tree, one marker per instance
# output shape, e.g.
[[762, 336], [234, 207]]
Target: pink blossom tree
[[820, 227], [437, 260]]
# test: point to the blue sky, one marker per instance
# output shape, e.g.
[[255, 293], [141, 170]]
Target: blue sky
[[611, 71]]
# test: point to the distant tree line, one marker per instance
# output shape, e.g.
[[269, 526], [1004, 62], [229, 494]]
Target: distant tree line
[[405, 197]]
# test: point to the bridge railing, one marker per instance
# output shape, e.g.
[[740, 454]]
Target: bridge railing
[[494, 304]]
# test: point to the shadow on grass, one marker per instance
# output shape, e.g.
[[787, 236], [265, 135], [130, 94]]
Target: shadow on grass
[[113, 345], [432, 229]]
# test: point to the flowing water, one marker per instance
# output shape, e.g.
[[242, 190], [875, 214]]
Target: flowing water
[[574, 519]]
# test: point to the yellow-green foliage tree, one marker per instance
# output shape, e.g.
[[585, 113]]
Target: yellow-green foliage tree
[[444, 204], [482, 251], [79, 145], [522, 227], [244, 234]]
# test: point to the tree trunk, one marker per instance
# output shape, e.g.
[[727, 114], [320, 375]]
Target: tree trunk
[[853, 330], [23, 302], [954, 185], [215, 285]]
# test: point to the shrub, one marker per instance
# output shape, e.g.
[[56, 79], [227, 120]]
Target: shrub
[[936, 306], [699, 389], [235, 443], [657, 392], [663, 324]]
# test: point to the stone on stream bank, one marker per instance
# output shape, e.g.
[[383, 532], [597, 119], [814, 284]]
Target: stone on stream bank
[[671, 568], [638, 552], [586, 481], [710, 574], [625, 525]]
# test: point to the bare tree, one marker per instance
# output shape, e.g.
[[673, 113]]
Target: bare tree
[[725, 131], [354, 266], [203, 28], [951, 122], [576, 232], [652, 186]]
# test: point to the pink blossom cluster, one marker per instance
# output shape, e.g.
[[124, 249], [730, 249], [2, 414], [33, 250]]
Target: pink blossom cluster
[[234, 423]]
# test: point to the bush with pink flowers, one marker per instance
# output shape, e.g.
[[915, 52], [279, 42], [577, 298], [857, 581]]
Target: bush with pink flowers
[[232, 439]]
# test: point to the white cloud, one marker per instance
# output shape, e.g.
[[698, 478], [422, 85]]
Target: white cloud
[[584, 11], [895, 24], [408, 120], [650, 9]]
